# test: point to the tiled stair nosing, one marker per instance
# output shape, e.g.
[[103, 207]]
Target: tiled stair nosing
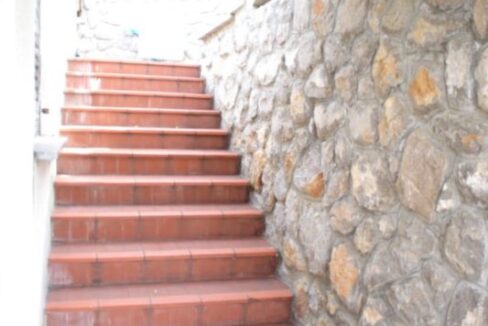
[[126, 93], [270, 289], [94, 152], [219, 211], [89, 180], [135, 251], [144, 130], [134, 76], [198, 112], [134, 62]]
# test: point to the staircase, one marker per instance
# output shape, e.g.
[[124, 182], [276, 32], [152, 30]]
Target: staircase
[[152, 224]]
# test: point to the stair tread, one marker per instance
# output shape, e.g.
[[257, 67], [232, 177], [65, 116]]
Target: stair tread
[[137, 62], [135, 93], [103, 151], [150, 179], [149, 130], [136, 295], [132, 76], [141, 110], [169, 254], [242, 210], [147, 250]]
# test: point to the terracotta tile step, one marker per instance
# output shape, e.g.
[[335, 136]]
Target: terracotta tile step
[[97, 80], [150, 190], [144, 137], [140, 161], [102, 224], [144, 117], [244, 302], [161, 262], [143, 99], [133, 67]]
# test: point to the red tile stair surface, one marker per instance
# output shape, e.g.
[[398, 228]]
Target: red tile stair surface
[[134, 82], [141, 117], [146, 99], [152, 224]]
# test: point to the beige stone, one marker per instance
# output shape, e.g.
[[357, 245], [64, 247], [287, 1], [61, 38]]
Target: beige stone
[[301, 298], [293, 255], [480, 19], [375, 15], [423, 90], [300, 108], [259, 160], [315, 188], [446, 4], [386, 73], [322, 17], [350, 16], [366, 236], [393, 121], [371, 316], [427, 33], [343, 273], [345, 216], [398, 14]]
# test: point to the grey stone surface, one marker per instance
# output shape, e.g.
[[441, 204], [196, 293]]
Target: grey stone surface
[[412, 299], [473, 181], [316, 237], [469, 306], [345, 215], [350, 16], [371, 183], [328, 118], [465, 245], [319, 84], [366, 146], [480, 19], [481, 76], [423, 169], [363, 123]]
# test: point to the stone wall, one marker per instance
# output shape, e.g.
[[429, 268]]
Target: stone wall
[[126, 28], [363, 127]]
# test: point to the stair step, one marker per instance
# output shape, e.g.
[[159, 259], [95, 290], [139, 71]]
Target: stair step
[[160, 262], [147, 161], [115, 81], [244, 302], [105, 224], [133, 67], [150, 190], [145, 99], [144, 117], [144, 137]]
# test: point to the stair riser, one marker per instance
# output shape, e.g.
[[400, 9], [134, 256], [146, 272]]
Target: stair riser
[[130, 68], [139, 101], [107, 118], [159, 270], [131, 229], [125, 165], [137, 84], [121, 194], [226, 312], [144, 140]]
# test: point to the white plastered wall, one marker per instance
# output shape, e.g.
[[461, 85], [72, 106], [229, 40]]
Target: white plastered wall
[[26, 190]]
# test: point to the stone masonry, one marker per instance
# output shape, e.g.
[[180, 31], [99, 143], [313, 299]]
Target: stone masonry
[[363, 126]]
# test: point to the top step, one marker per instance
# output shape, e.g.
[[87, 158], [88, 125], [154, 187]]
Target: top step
[[152, 68]]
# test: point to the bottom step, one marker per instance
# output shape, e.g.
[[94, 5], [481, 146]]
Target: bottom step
[[250, 302]]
